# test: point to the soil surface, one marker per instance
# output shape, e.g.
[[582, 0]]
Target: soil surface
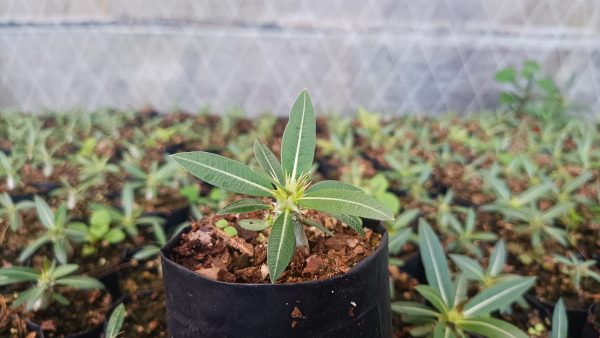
[[211, 253]]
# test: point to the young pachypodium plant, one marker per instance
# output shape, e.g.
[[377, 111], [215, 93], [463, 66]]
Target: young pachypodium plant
[[11, 212], [151, 180], [489, 276], [43, 292], [577, 269], [10, 166], [539, 225], [289, 187], [130, 216], [466, 235], [97, 231], [57, 232], [451, 313], [506, 202]]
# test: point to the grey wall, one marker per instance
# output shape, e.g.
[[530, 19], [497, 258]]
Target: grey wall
[[394, 56]]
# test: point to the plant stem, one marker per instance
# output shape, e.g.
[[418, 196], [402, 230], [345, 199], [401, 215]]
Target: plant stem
[[301, 240]]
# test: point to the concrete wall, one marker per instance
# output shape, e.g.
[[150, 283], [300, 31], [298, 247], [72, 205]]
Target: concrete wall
[[393, 56]]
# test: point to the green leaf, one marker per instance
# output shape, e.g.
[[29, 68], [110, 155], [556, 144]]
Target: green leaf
[[29, 296], [17, 274], [414, 309], [243, 205], [281, 246], [355, 223], [346, 202], [222, 223], [559, 320], [64, 270], [330, 184], [469, 267], [533, 193], [62, 300], [398, 239], [491, 328], [80, 282], [435, 263], [224, 173], [505, 75], [498, 296], [115, 322], [299, 138], [253, 224], [44, 212], [433, 296], [100, 218], [556, 211], [146, 252], [268, 162], [60, 251], [497, 260], [32, 247], [114, 236], [442, 330]]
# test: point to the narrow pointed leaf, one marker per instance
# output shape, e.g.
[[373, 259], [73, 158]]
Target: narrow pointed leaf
[[346, 202], [559, 320], [497, 260], [330, 184], [224, 173], [533, 193], [281, 246], [44, 212], [115, 322], [299, 138], [556, 211], [441, 330], [17, 274], [268, 162], [492, 328], [414, 309], [253, 224], [398, 239], [64, 270], [243, 205], [32, 247], [433, 296], [469, 267], [435, 263], [81, 282], [352, 221], [497, 296], [318, 225]]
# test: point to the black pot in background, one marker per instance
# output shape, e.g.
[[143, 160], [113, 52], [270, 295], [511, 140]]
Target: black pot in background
[[173, 219], [592, 328], [413, 265], [44, 188], [577, 318], [356, 304]]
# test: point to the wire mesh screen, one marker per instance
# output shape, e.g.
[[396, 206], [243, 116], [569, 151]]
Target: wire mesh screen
[[392, 56]]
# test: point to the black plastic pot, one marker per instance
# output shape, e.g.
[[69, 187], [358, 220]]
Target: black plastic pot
[[356, 304], [172, 219], [413, 265], [592, 326], [44, 188], [577, 318]]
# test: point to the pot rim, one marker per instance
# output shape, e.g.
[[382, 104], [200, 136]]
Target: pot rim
[[379, 228]]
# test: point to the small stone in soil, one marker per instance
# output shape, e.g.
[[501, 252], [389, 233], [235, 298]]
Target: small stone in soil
[[296, 314]]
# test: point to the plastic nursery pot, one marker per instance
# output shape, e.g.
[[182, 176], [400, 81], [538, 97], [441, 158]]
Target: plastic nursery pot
[[356, 304], [577, 318], [413, 265], [592, 326], [44, 188]]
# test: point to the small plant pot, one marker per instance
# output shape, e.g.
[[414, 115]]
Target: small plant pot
[[356, 304], [577, 318], [592, 326], [413, 265]]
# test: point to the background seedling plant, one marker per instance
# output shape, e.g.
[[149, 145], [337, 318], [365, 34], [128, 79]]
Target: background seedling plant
[[288, 185]]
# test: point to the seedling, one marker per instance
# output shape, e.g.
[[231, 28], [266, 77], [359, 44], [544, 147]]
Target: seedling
[[492, 275], [451, 313], [44, 291], [94, 169], [98, 230], [70, 193], [541, 224], [506, 202], [57, 232], [9, 169], [288, 185], [467, 236], [130, 216], [150, 181], [577, 269], [11, 212]]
